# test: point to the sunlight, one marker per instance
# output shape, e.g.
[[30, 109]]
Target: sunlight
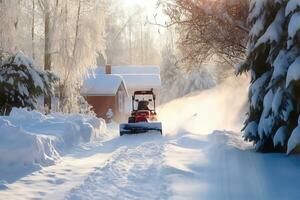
[[131, 3]]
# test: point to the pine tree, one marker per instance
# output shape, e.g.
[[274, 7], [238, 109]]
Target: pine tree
[[21, 83], [273, 60]]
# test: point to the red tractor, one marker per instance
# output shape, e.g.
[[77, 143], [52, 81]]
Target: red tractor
[[143, 117]]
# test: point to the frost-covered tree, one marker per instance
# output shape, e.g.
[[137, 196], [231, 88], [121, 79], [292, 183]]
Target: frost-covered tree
[[9, 24], [129, 38], [206, 27], [62, 36], [273, 60], [21, 83], [177, 81]]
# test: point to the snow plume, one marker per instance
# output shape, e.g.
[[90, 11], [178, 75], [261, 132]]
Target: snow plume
[[221, 107]]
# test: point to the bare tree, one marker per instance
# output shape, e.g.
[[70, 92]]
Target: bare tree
[[79, 39], [129, 39], [63, 36], [48, 9], [207, 28], [9, 24]]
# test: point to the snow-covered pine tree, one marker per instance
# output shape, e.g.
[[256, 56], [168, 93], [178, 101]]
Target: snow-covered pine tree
[[21, 83], [273, 59]]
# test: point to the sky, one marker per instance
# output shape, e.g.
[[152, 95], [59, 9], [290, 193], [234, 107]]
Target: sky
[[149, 4], [150, 10], [150, 7]]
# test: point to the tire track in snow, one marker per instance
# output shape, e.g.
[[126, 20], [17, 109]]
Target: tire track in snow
[[131, 173]]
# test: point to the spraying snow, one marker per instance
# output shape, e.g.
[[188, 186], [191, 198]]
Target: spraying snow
[[203, 112]]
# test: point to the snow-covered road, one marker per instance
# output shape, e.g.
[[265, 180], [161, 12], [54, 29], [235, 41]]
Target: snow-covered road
[[191, 161], [184, 166], [188, 166]]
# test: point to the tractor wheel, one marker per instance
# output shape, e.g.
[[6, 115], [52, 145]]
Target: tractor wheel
[[131, 120]]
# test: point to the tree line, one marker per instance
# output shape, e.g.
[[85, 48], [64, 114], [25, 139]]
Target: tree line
[[67, 37]]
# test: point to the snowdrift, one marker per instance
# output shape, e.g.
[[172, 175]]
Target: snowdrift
[[29, 137]]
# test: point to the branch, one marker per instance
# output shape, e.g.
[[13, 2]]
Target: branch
[[42, 4]]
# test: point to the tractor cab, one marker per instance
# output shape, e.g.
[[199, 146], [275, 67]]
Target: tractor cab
[[143, 107], [143, 115]]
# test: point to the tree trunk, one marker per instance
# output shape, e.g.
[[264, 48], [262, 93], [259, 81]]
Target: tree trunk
[[76, 31], [47, 53], [142, 45], [33, 29], [130, 41]]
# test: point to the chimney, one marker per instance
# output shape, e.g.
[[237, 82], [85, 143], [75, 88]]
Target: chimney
[[108, 69]]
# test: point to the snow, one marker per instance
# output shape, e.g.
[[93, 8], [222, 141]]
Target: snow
[[38, 82], [102, 84], [280, 136], [142, 81], [294, 140], [294, 25], [251, 130], [20, 59], [19, 147], [277, 101], [194, 159], [266, 122], [291, 6], [282, 62], [136, 77], [274, 31], [29, 138], [256, 89], [23, 90], [256, 8], [288, 110], [257, 28], [293, 73]]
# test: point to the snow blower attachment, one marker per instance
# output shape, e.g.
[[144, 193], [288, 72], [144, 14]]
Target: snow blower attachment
[[143, 118]]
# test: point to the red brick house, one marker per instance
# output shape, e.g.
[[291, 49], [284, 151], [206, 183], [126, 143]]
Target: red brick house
[[104, 92], [112, 87]]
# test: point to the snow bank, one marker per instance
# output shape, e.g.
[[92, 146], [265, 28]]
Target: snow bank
[[29, 137], [20, 146]]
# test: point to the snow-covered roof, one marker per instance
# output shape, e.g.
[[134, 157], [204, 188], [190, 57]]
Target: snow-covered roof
[[136, 77], [102, 84], [142, 81], [131, 69]]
